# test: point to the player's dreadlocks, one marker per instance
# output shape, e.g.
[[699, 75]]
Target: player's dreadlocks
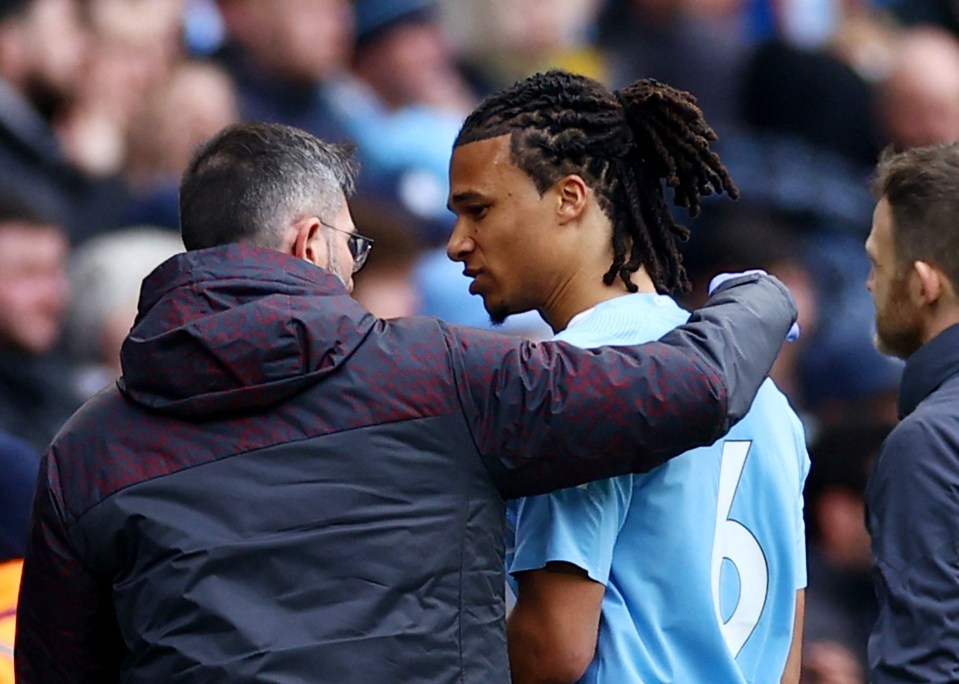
[[624, 144]]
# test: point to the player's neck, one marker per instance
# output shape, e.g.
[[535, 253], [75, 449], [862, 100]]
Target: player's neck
[[583, 294]]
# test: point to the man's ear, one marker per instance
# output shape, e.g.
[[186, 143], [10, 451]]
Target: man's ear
[[929, 282], [572, 195], [305, 243]]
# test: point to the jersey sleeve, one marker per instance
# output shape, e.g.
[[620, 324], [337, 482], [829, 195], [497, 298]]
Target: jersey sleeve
[[578, 525]]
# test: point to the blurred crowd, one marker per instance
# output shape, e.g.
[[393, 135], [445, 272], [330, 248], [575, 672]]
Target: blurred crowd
[[103, 101]]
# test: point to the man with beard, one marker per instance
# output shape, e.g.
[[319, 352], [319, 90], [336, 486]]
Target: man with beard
[[912, 507]]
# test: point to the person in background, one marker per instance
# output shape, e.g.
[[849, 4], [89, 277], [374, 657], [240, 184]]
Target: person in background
[[694, 572], [912, 510], [43, 46], [19, 464], [131, 47], [281, 486], [282, 56], [736, 236], [197, 99], [694, 45], [402, 103], [105, 274], [36, 382], [917, 100], [840, 601], [502, 40], [387, 288]]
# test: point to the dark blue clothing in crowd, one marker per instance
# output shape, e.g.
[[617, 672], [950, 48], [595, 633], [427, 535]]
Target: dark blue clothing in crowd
[[266, 96], [33, 166], [283, 487], [18, 478], [840, 605], [913, 516], [37, 395]]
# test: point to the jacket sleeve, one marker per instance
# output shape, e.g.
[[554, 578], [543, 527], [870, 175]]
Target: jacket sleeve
[[912, 510], [548, 416], [66, 629]]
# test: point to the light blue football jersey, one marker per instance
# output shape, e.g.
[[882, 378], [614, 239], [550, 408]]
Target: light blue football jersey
[[702, 557]]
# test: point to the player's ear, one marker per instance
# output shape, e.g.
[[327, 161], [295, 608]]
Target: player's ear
[[572, 194], [928, 282]]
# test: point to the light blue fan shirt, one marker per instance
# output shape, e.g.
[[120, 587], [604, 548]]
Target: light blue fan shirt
[[702, 557]]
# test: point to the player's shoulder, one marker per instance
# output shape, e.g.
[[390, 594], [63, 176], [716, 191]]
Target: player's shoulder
[[771, 418], [629, 319], [772, 401]]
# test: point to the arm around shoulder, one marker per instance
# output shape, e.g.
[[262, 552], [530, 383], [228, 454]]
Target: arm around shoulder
[[739, 332], [550, 416]]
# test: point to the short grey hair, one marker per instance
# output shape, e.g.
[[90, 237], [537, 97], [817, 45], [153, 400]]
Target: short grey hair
[[252, 180]]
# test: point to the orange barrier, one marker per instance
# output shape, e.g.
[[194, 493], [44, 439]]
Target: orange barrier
[[9, 588]]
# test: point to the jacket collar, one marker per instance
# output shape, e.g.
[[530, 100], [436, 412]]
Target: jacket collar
[[931, 365]]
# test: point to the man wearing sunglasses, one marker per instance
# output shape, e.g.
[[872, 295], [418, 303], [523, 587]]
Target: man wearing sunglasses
[[283, 488]]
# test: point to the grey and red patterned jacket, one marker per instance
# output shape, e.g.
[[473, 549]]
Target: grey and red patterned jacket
[[284, 488]]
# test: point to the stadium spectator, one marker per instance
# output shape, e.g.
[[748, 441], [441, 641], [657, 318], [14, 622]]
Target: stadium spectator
[[918, 100], [36, 384], [840, 600], [197, 99], [43, 46], [282, 54], [105, 274]]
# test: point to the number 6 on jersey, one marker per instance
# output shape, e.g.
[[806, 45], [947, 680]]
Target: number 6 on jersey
[[733, 542]]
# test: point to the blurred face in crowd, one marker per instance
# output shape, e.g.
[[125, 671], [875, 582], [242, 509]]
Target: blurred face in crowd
[[51, 44], [192, 105], [919, 100], [135, 42], [410, 64], [899, 326], [502, 229], [33, 285], [537, 26], [388, 292], [301, 39]]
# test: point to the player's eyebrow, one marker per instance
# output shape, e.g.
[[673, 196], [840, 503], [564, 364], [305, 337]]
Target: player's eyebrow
[[463, 197]]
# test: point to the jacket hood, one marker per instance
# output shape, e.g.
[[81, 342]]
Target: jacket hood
[[235, 328]]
